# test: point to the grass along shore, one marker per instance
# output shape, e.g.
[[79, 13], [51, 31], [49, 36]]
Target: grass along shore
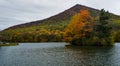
[[9, 44]]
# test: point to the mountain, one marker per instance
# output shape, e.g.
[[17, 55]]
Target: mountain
[[61, 17], [35, 31]]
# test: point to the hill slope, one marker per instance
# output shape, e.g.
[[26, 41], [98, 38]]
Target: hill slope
[[61, 17], [57, 22]]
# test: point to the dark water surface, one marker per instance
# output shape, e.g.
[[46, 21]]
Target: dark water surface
[[57, 54]]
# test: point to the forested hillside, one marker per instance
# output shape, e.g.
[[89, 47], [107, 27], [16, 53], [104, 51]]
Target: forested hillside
[[52, 29]]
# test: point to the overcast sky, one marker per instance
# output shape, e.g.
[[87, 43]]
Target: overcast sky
[[13, 12]]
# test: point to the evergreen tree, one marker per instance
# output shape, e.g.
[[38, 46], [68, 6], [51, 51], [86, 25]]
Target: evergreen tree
[[103, 30]]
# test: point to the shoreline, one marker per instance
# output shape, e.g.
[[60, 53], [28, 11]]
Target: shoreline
[[10, 44]]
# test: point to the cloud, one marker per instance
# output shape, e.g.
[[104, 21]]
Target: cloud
[[14, 12]]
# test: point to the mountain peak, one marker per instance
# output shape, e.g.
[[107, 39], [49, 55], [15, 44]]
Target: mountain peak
[[79, 5]]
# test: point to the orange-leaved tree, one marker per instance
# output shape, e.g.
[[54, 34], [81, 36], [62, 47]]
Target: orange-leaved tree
[[79, 28]]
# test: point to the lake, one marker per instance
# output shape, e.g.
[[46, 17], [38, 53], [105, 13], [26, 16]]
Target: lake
[[57, 54]]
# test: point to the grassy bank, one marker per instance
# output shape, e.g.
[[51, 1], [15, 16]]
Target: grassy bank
[[10, 44]]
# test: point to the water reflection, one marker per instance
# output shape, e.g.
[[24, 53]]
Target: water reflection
[[93, 55], [57, 54]]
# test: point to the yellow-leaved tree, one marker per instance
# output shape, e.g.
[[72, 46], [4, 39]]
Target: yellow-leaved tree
[[79, 28]]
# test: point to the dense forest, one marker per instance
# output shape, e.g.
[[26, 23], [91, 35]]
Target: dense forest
[[83, 28]]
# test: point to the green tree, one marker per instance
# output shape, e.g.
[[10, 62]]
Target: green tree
[[103, 30]]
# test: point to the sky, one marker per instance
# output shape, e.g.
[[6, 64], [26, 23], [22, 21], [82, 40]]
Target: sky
[[13, 12]]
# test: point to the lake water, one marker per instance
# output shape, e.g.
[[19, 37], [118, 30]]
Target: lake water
[[57, 54]]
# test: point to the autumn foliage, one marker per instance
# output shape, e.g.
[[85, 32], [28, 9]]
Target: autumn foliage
[[79, 28], [42, 35]]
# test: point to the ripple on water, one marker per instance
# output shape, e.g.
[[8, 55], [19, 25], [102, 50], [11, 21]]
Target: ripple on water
[[57, 54]]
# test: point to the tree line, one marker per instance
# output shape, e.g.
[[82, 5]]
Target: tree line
[[82, 30]]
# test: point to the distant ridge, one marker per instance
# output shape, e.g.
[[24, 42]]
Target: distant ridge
[[67, 14]]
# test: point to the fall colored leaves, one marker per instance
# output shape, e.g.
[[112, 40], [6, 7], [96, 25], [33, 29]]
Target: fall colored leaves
[[82, 30], [79, 26]]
